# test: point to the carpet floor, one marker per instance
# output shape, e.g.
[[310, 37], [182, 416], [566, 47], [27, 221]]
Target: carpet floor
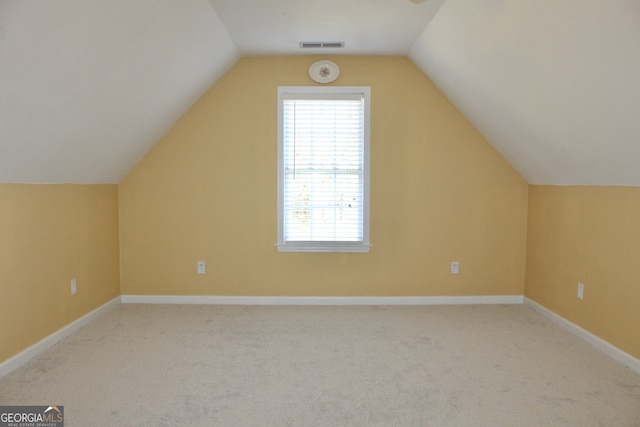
[[179, 365]]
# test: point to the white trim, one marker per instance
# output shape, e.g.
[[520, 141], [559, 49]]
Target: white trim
[[289, 300], [24, 356], [323, 247], [600, 344]]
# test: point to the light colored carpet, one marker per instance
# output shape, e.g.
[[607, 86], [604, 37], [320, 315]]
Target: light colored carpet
[[327, 366]]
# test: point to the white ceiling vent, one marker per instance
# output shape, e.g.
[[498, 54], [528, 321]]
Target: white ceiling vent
[[326, 45]]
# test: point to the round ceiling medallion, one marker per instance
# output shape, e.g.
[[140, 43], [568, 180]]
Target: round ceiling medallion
[[324, 71]]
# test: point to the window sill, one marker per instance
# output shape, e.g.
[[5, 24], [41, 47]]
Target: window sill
[[323, 247]]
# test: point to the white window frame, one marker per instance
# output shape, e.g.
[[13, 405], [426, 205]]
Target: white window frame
[[324, 246]]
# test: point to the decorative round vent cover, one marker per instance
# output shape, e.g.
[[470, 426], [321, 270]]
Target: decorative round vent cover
[[324, 71]]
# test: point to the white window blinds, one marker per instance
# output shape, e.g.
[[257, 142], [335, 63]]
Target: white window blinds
[[323, 170]]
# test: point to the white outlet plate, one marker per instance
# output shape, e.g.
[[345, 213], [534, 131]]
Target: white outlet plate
[[455, 267], [580, 291], [201, 267], [74, 287]]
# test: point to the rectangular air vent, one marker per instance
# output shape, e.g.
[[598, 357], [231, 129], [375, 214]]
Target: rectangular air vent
[[326, 45]]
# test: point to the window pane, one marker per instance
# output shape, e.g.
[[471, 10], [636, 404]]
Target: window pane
[[323, 207], [323, 176], [323, 162]]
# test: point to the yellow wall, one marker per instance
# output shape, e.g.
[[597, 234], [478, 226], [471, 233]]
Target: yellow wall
[[589, 235], [207, 191], [50, 234]]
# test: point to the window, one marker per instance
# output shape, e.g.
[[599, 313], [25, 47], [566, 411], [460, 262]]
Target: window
[[323, 169]]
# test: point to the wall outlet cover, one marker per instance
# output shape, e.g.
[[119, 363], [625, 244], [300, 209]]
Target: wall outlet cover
[[455, 267]]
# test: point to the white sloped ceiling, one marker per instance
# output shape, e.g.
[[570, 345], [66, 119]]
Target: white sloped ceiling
[[88, 86], [368, 27], [553, 85]]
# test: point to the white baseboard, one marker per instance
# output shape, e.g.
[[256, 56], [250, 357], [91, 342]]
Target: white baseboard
[[47, 342], [600, 344], [287, 300]]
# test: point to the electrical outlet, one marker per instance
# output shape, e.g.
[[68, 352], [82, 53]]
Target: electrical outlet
[[73, 286], [580, 291], [201, 267], [455, 267]]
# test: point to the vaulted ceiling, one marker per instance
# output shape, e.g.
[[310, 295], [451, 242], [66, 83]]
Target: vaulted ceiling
[[88, 86]]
